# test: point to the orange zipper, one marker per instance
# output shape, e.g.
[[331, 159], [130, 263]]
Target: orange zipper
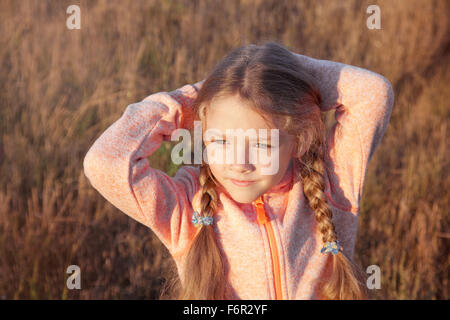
[[264, 220]]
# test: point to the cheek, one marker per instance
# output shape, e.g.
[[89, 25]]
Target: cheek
[[216, 153], [270, 156], [217, 169], [278, 161]]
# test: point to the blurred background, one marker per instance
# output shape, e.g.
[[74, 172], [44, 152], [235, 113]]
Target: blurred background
[[60, 89]]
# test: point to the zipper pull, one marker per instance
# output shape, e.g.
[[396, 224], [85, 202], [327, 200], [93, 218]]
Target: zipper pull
[[261, 213]]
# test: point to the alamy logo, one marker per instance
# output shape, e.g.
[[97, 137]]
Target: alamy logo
[[74, 20], [374, 20], [74, 280], [374, 280]]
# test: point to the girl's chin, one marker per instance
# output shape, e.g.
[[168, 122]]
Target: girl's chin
[[243, 197], [244, 200]]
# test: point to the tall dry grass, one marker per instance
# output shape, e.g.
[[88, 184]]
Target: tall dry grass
[[60, 89]]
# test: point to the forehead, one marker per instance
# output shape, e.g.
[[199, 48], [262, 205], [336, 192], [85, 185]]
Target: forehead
[[232, 112]]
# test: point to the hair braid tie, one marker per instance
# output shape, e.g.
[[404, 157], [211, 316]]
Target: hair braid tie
[[208, 203], [312, 172], [198, 220], [331, 247]]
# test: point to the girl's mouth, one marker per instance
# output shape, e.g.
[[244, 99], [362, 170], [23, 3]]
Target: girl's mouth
[[240, 183]]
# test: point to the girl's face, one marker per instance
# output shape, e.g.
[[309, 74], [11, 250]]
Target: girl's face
[[261, 158]]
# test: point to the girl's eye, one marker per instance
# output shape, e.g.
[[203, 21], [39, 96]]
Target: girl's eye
[[258, 145], [263, 145], [220, 141]]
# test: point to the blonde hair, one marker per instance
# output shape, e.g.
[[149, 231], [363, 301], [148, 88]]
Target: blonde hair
[[270, 77]]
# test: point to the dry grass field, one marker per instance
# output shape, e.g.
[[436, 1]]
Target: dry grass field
[[60, 89]]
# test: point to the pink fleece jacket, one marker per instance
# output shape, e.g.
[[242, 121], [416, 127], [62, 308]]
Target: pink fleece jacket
[[117, 166]]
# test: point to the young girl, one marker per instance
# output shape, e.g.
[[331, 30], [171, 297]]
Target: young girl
[[288, 235]]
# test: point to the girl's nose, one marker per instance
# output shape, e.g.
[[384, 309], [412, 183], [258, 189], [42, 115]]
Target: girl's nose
[[242, 163], [241, 157], [242, 168]]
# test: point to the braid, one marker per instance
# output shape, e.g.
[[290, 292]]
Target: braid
[[314, 187], [204, 276], [347, 280], [208, 202]]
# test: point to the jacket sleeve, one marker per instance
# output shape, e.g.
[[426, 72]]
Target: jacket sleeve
[[117, 166], [363, 102]]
